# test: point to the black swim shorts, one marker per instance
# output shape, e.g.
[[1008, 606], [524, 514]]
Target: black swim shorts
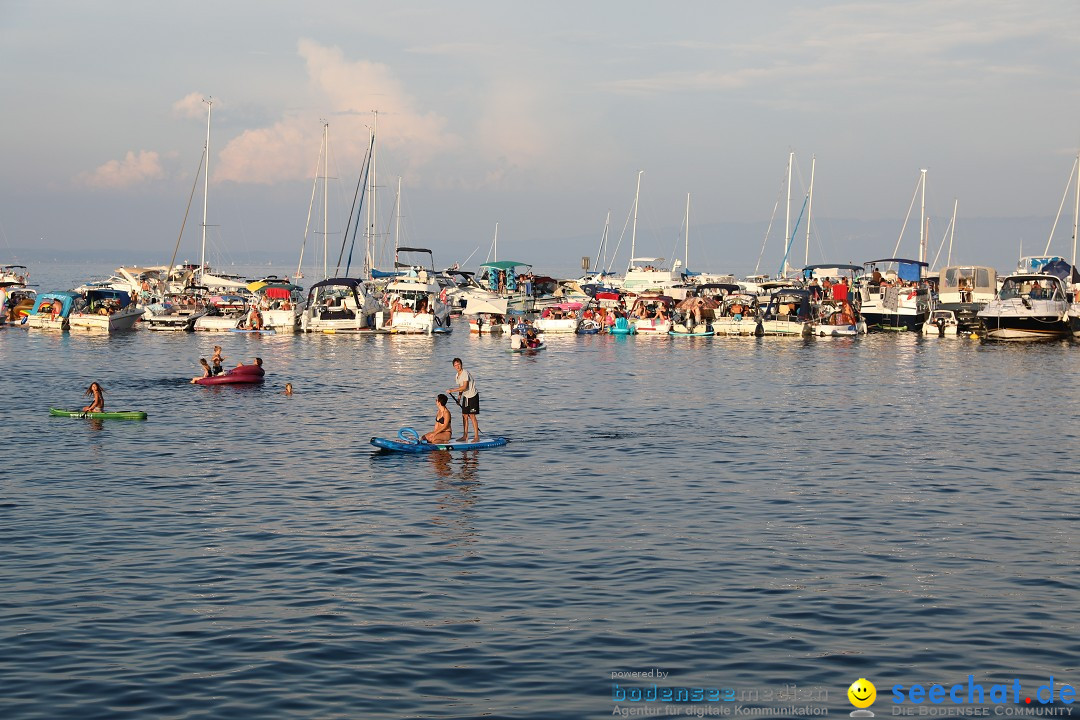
[[471, 405]]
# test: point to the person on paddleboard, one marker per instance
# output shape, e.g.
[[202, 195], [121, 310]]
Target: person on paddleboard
[[443, 423], [98, 402], [469, 402]]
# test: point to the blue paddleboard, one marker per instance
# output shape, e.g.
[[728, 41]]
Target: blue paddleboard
[[409, 443]]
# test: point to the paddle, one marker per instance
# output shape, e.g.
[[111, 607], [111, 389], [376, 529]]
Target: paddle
[[465, 423]]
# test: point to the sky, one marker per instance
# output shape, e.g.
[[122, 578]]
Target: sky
[[536, 118]]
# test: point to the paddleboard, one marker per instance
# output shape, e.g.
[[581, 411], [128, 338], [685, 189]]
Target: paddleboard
[[690, 334], [118, 415], [410, 443]]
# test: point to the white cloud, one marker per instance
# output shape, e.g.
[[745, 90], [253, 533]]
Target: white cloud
[[351, 90], [132, 170], [191, 106]]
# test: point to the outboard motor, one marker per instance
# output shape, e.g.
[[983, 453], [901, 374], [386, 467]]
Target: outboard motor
[[941, 327]]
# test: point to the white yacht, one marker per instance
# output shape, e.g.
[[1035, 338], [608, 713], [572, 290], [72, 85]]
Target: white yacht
[[964, 290], [416, 299], [340, 305], [890, 302], [106, 310], [1028, 307]]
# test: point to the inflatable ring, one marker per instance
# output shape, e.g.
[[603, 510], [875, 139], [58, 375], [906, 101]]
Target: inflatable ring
[[408, 435]]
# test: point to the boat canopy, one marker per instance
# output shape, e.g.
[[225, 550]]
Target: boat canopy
[[504, 264], [729, 287], [96, 295], [909, 270], [219, 281], [811, 270], [346, 281], [494, 306], [1061, 269], [66, 298], [974, 277]]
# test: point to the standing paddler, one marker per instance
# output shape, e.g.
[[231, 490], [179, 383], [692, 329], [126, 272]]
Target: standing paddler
[[469, 401]]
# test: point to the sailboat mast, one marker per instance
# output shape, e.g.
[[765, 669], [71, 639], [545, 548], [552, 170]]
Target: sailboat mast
[[787, 217], [369, 231], [809, 209], [397, 220], [206, 187], [495, 244], [952, 231], [1076, 212], [325, 194], [603, 244], [686, 248], [922, 224], [633, 232]]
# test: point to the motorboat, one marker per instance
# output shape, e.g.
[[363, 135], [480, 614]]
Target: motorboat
[[964, 290], [106, 310], [651, 315], [416, 300], [1027, 307], [16, 302], [941, 323], [893, 302], [563, 317], [177, 311], [340, 305], [225, 313], [788, 313], [52, 310]]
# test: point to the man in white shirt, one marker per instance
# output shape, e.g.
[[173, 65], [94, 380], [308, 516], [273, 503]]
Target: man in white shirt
[[469, 401]]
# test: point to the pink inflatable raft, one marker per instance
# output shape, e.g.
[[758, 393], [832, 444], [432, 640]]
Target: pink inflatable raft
[[244, 374]]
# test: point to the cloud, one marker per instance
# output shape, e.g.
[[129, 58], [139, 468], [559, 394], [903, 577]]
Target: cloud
[[132, 170], [191, 106], [940, 42], [351, 90]]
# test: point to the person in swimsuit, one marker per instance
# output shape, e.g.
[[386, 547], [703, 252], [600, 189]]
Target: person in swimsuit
[[442, 431], [217, 360], [98, 402], [207, 372]]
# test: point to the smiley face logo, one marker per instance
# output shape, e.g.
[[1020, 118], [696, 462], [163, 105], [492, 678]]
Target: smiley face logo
[[862, 693]]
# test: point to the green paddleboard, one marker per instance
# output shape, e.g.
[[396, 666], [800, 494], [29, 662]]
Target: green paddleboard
[[119, 415]]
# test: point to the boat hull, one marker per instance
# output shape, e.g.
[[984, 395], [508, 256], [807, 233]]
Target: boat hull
[[1025, 328], [118, 321]]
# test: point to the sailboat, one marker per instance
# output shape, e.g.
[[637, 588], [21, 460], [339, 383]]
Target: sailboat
[[1035, 305], [181, 308], [647, 273], [897, 301]]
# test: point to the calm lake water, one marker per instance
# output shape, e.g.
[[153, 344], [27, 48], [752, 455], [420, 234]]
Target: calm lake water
[[739, 513]]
